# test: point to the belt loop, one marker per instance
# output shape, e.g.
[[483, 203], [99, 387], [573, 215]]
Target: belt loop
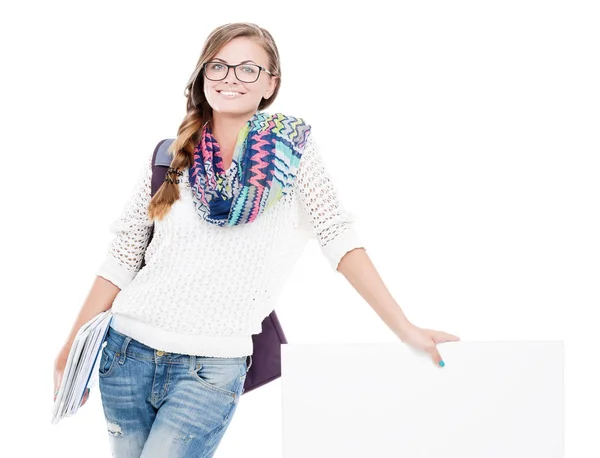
[[192, 363], [248, 368], [124, 349]]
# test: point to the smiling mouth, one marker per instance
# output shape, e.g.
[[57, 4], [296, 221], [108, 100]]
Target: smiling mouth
[[230, 93]]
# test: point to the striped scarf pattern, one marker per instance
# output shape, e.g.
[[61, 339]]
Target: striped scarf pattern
[[266, 157]]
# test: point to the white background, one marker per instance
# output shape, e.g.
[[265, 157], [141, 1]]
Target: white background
[[462, 135]]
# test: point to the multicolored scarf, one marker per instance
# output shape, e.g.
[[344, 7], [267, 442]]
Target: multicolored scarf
[[265, 161]]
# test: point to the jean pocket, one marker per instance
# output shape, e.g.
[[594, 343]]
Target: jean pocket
[[107, 362], [220, 378]]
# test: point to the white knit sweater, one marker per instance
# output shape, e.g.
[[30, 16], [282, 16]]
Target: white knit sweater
[[206, 289]]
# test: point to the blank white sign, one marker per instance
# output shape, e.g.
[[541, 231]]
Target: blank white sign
[[491, 400]]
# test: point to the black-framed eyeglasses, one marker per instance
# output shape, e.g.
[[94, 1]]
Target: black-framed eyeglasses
[[246, 73]]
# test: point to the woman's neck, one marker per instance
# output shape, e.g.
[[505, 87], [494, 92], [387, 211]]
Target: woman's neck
[[226, 128]]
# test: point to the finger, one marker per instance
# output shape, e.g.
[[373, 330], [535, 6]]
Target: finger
[[437, 358], [85, 396], [57, 380]]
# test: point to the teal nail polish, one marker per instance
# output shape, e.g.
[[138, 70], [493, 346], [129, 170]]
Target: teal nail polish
[[442, 363]]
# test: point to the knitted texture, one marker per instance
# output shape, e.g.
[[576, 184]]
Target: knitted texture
[[206, 289]]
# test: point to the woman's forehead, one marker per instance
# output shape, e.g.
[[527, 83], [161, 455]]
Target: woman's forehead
[[242, 49]]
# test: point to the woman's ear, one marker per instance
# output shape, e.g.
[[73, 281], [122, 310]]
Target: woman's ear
[[272, 86]]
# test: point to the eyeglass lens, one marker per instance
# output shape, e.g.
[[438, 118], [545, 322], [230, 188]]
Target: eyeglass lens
[[247, 73]]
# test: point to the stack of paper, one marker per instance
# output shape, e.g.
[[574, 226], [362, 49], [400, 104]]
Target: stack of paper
[[82, 365]]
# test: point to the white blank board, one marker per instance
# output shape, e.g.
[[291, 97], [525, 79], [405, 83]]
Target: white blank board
[[492, 400]]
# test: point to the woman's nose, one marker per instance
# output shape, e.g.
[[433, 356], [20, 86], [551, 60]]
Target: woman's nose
[[231, 78]]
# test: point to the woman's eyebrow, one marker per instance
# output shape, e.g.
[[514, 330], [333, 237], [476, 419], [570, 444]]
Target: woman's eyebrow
[[243, 62]]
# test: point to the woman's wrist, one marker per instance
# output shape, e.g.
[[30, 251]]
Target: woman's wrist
[[401, 327]]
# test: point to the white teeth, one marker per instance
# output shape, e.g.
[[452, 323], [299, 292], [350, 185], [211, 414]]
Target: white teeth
[[229, 93]]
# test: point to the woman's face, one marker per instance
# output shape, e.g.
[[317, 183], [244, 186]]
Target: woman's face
[[248, 95]]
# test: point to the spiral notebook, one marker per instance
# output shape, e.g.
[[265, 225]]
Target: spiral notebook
[[81, 370]]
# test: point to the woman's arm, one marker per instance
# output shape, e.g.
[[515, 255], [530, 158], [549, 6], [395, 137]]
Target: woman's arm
[[333, 226], [360, 272], [124, 254], [131, 231], [99, 299]]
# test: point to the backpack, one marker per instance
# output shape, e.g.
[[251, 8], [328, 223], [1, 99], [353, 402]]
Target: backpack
[[265, 364]]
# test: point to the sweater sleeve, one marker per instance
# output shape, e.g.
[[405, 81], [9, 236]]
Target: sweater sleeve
[[131, 234], [332, 224]]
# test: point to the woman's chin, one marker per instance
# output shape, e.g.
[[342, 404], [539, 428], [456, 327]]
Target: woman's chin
[[232, 109]]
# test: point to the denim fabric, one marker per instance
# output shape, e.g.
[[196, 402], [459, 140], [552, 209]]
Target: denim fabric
[[160, 404]]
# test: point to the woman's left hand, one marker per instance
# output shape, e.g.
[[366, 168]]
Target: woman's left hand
[[426, 340]]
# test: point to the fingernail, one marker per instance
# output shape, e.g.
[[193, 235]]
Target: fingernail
[[442, 363]]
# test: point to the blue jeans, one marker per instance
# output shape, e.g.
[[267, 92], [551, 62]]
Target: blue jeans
[[160, 404]]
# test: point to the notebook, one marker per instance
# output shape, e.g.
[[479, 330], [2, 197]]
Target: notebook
[[81, 370]]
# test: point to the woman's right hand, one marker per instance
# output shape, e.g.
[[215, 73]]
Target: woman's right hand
[[59, 368]]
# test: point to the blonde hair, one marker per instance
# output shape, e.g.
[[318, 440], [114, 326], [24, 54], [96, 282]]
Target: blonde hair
[[198, 109]]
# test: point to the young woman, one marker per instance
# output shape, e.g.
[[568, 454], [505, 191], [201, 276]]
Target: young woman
[[245, 192]]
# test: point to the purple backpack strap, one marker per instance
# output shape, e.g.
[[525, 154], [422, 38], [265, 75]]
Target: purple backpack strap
[[265, 365], [159, 172], [161, 161]]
